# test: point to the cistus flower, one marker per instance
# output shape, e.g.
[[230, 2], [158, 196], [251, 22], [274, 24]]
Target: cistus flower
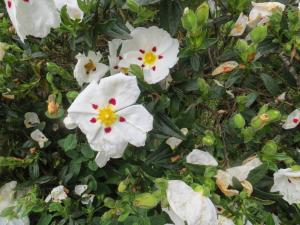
[[106, 115], [155, 51], [292, 120], [187, 205], [199, 157], [287, 183], [32, 17], [225, 67], [224, 178], [239, 26], [89, 68], [261, 12], [57, 194], [73, 10], [7, 199], [31, 119]]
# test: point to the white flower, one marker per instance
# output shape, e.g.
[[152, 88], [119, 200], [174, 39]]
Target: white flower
[[31, 119], [261, 12], [292, 120], [222, 220], [87, 199], [174, 142], [32, 17], [73, 9], [225, 67], [80, 189], [7, 199], [287, 183], [57, 194], [69, 123], [239, 26], [199, 157], [155, 51], [224, 178], [39, 137], [88, 68], [3, 47], [106, 115], [189, 205]]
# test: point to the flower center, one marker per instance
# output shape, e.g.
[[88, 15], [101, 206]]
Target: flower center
[[107, 116], [90, 66], [149, 58]]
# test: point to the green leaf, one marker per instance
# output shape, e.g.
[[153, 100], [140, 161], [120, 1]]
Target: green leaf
[[45, 219], [270, 84], [87, 152], [68, 143], [257, 174], [170, 15]]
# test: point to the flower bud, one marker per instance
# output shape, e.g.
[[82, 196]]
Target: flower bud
[[248, 134], [122, 186], [189, 20], [53, 107], [258, 34], [270, 148], [258, 122], [209, 138], [146, 200], [239, 121], [203, 86], [274, 115], [109, 202], [202, 13]]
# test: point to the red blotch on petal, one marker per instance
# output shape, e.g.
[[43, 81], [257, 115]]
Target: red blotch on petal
[[9, 4], [26, 0], [112, 101], [295, 120], [143, 66], [142, 51], [154, 68], [154, 49], [93, 120], [107, 129], [120, 57], [160, 57], [140, 58], [122, 119], [95, 106], [116, 67]]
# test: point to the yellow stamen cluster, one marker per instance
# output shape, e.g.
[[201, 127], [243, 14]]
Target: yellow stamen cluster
[[107, 116], [90, 66], [149, 58]]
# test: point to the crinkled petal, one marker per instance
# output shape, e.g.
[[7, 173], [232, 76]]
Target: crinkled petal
[[200, 157], [222, 220], [176, 220], [240, 26], [31, 119], [69, 123], [80, 189]]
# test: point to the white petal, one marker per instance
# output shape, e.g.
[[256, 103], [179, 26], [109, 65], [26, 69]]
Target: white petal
[[222, 220], [31, 119], [80, 189], [7, 192], [87, 199], [21, 221], [176, 220], [287, 183], [138, 116], [293, 120], [225, 67], [58, 194], [122, 88], [240, 25], [35, 17], [114, 46], [73, 10], [69, 123], [199, 157], [101, 159], [39, 137], [173, 142], [60, 3], [154, 76]]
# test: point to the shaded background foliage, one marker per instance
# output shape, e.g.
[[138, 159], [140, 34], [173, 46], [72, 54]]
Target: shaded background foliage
[[33, 70]]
